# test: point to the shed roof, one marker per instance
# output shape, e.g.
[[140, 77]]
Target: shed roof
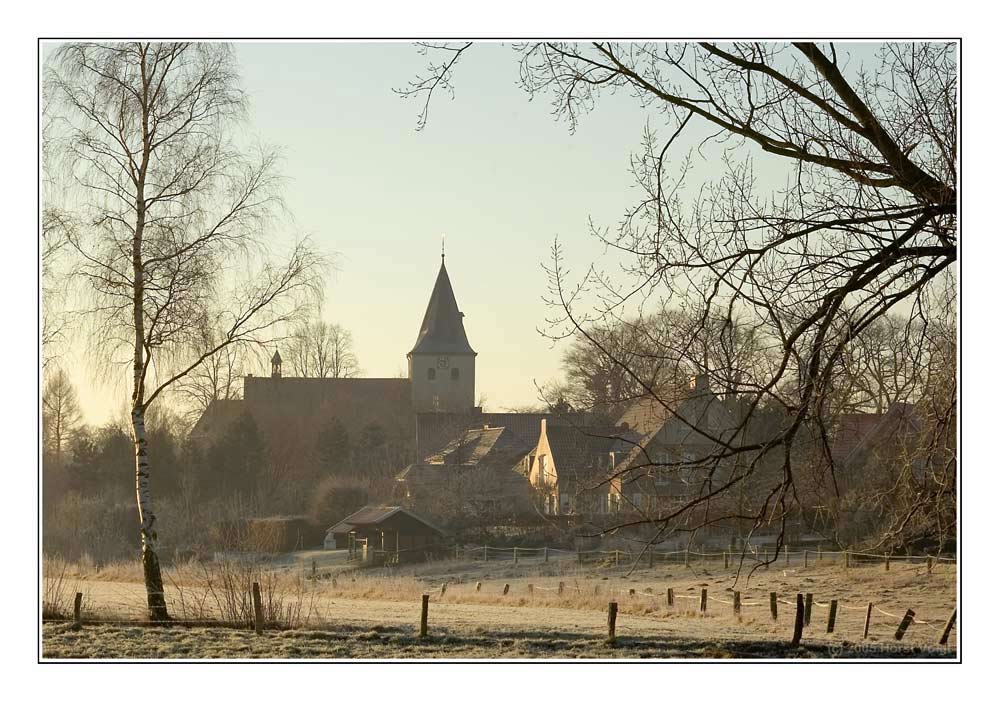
[[373, 515]]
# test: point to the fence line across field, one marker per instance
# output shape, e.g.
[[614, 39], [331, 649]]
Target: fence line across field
[[756, 553], [256, 619], [743, 603]]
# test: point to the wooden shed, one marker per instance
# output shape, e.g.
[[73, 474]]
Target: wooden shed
[[380, 534]]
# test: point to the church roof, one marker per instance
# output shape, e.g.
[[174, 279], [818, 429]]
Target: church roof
[[442, 330]]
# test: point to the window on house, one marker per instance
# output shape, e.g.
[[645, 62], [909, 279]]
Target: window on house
[[431, 374], [454, 373], [564, 503]]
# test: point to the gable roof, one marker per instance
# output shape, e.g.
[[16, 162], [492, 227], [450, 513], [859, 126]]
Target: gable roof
[[442, 330], [373, 515], [692, 415], [678, 416], [487, 456], [582, 453], [435, 430], [488, 445]]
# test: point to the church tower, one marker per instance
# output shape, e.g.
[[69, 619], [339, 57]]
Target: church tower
[[442, 364]]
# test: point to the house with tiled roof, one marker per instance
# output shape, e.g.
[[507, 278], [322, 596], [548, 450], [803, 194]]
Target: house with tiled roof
[[481, 463], [655, 455], [570, 467]]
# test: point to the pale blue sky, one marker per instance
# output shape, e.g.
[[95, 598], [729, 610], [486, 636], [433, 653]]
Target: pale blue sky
[[493, 171]]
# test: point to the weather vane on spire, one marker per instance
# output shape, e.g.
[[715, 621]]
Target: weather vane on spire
[[442, 248]]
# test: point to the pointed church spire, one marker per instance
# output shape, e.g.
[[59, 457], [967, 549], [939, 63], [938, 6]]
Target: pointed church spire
[[442, 330]]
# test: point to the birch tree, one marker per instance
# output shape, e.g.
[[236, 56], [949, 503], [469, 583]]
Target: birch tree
[[176, 225]]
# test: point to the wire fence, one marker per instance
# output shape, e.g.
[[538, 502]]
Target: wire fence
[[754, 555]]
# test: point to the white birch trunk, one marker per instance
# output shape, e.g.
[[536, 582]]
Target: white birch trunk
[[155, 600]]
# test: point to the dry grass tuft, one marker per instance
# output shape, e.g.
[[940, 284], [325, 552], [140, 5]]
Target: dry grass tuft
[[57, 602]]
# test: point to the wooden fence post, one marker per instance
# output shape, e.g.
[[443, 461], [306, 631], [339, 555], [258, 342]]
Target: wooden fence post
[[887, 562], [258, 614], [786, 555], [799, 616], [314, 568], [486, 553], [616, 558], [807, 615], [833, 617], [725, 560], [670, 597], [456, 552], [545, 551], [479, 586], [424, 599], [686, 553], [444, 586], [612, 617], [562, 586], [805, 560], [515, 555], [736, 603], [820, 552], [868, 620], [847, 560], [531, 590], [78, 610], [929, 563], [904, 624], [947, 629], [774, 606], [579, 557], [704, 600], [506, 588]]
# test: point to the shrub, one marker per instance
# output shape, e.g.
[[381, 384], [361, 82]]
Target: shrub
[[334, 499]]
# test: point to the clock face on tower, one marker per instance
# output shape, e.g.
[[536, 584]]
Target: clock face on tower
[[443, 361]]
